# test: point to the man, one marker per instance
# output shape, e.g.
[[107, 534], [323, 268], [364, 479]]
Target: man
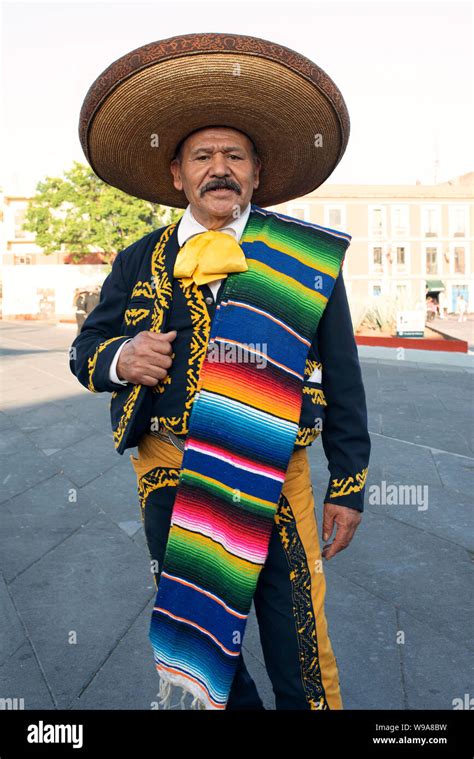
[[461, 308], [227, 344], [442, 305], [79, 302], [85, 301]]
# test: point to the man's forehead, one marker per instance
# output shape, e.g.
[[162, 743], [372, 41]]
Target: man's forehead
[[230, 137], [208, 146]]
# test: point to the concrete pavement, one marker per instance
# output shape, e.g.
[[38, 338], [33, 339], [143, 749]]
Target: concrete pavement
[[75, 591]]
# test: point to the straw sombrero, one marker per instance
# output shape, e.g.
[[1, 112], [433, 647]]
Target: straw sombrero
[[141, 107]]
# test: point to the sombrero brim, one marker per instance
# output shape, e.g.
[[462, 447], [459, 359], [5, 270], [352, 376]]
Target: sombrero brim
[[140, 108]]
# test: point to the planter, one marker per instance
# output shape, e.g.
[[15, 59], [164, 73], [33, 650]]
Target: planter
[[433, 341]]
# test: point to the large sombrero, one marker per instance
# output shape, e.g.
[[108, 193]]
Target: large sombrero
[[141, 107]]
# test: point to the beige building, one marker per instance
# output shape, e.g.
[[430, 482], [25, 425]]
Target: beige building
[[403, 236], [16, 245]]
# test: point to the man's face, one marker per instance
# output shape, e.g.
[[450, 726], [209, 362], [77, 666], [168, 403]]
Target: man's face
[[217, 173]]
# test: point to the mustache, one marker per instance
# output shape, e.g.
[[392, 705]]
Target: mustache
[[221, 184]]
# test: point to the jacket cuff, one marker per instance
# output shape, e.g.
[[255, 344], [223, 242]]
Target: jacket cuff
[[348, 491], [98, 365]]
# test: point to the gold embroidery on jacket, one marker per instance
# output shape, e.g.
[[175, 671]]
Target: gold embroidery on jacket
[[92, 361], [162, 301], [348, 485], [161, 281], [135, 315], [310, 366], [201, 323], [161, 386], [142, 288], [317, 395], [128, 407], [306, 435]]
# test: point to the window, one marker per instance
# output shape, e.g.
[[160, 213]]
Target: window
[[376, 258], [459, 261], [19, 220], [431, 260], [401, 261], [376, 221], [400, 221], [299, 212], [335, 217], [457, 221], [430, 221], [376, 290]]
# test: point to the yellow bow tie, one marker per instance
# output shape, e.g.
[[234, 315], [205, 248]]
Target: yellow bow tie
[[207, 256]]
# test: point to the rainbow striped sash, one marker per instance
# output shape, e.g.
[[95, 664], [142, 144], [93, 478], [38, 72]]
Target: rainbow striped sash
[[242, 429]]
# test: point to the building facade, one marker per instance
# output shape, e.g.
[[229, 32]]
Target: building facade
[[403, 237]]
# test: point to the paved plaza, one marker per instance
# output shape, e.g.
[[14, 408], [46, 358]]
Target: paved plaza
[[75, 590]]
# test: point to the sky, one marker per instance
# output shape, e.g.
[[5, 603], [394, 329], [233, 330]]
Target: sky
[[404, 69]]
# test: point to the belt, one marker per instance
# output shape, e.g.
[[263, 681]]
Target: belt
[[165, 434]]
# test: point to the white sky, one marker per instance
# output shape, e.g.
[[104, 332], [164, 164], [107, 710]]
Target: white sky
[[404, 68]]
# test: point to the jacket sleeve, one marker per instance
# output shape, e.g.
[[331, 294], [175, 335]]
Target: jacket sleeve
[[92, 351], [344, 433]]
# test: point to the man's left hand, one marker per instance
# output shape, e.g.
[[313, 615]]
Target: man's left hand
[[346, 520]]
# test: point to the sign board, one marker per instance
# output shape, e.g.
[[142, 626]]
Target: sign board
[[411, 323]]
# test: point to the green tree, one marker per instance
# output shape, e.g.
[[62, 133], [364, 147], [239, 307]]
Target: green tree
[[81, 214]]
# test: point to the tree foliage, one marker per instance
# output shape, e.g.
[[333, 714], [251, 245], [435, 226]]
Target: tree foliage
[[80, 214]]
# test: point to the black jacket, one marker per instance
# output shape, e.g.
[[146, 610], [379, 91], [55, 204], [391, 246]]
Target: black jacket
[[334, 407]]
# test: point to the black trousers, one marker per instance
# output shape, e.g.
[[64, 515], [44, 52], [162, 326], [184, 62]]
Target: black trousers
[[288, 599]]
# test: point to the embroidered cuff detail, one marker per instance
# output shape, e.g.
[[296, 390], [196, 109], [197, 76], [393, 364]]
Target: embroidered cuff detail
[[348, 485], [92, 361]]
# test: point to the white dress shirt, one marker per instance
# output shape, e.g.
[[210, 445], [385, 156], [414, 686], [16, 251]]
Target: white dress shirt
[[188, 227]]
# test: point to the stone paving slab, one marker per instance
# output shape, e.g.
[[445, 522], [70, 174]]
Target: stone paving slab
[[18, 473], [22, 677], [84, 460], [436, 668], [51, 512], [67, 591], [362, 628], [428, 577]]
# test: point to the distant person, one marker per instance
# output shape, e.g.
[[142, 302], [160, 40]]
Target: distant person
[[442, 306], [93, 298], [461, 308], [80, 299], [85, 302]]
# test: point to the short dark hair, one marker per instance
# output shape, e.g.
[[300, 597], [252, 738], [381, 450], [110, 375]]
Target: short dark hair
[[178, 153]]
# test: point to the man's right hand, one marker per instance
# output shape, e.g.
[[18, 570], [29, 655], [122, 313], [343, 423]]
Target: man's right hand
[[145, 359]]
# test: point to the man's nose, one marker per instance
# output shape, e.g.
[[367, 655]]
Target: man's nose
[[218, 165]]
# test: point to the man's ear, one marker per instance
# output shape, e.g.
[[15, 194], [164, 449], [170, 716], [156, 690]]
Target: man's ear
[[257, 170], [175, 169]]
